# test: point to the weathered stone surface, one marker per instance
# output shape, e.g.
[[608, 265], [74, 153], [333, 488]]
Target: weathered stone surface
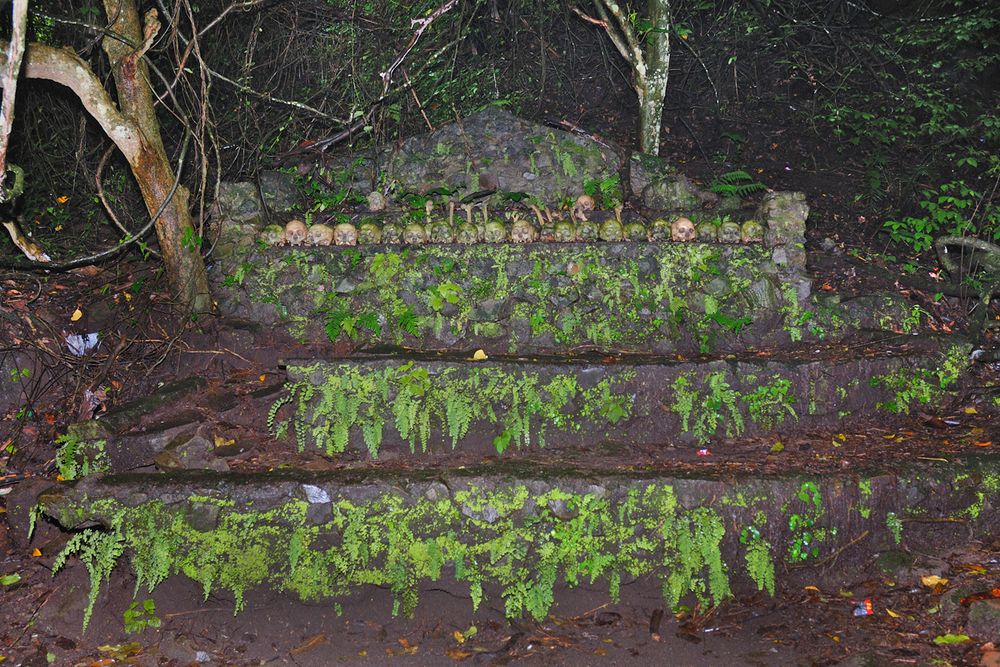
[[239, 203], [279, 192], [491, 150], [535, 298], [190, 453], [657, 185], [328, 534], [984, 620], [580, 404]]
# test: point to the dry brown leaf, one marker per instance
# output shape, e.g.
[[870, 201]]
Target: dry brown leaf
[[309, 644]]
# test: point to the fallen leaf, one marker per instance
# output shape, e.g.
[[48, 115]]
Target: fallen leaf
[[479, 355], [262, 377], [951, 639], [458, 654], [600, 651], [812, 589], [984, 443], [309, 644], [36, 553], [220, 441], [932, 580], [459, 637], [891, 613], [10, 579], [77, 314], [778, 447], [971, 411]]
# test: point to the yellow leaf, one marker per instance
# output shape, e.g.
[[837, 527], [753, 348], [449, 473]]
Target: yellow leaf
[[932, 580], [841, 437], [479, 355], [891, 613], [262, 377], [77, 314], [363, 653], [812, 589], [62, 199], [778, 447], [971, 411], [220, 441], [128, 296], [459, 637], [36, 553]]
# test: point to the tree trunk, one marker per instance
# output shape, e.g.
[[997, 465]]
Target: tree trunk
[[652, 89], [133, 128], [181, 253]]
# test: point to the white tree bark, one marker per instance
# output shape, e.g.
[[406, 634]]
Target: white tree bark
[[650, 62]]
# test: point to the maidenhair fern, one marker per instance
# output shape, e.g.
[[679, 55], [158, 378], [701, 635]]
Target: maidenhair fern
[[520, 403], [99, 550]]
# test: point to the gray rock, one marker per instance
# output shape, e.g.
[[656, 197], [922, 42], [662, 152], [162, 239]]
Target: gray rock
[[984, 620], [279, 192], [657, 186], [238, 202], [490, 150], [190, 454], [784, 215]]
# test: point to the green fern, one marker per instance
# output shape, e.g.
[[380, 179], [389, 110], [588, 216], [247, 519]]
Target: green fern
[[736, 183], [99, 550]]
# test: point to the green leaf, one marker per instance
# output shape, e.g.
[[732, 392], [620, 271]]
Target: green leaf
[[10, 579], [951, 639]]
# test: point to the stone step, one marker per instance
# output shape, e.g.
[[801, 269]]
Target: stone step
[[656, 297], [512, 531], [434, 404]]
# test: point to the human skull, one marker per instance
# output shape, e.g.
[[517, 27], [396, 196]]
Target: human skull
[[587, 230], [440, 232], [369, 233], [729, 232], [414, 234], [321, 235], [273, 235], [564, 232], [612, 230], [523, 231], [467, 234], [345, 234], [659, 230], [708, 233], [634, 231], [682, 230], [752, 232], [584, 205], [494, 232], [376, 201], [295, 232], [391, 234]]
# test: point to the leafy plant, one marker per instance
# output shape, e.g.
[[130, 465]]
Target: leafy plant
[[769, 404], [99, 550], [606, 192], [707, 408], [408, 398], [77, 458], [137, 618], [736, 183]]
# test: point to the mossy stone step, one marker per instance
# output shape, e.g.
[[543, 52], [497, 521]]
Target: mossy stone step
[[433, 405], [511, 531], [657, 297]]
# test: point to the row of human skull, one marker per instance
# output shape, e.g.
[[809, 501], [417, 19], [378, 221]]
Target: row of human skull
[[681, 230]]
